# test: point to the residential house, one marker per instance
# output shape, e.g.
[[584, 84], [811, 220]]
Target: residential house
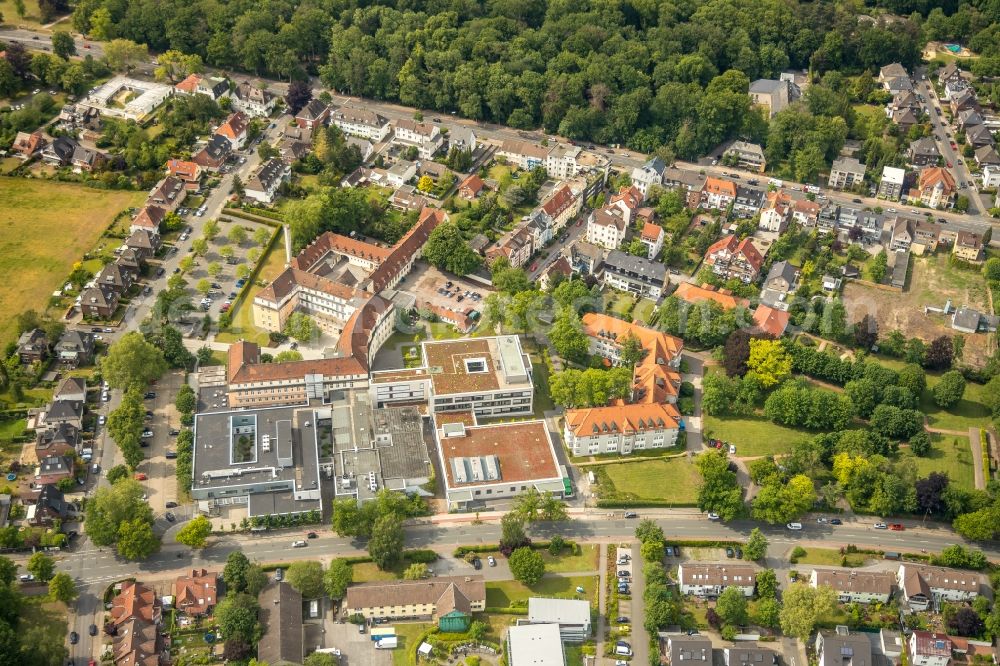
[[114, 278], [770, 320], [986, 157], [828, 218], [991, 175], [53, 469], [621, 428], [902, 234], [683, 650], [780, 281], [979, 136], [517, 246], [681, 179], [534, 645], [364, 146], [572, 616], [149, 218], [563, 161], [935, 188], [253, 101], [75, 348], [292, 151], [923, 585], [652, 236], [968, 246], [585, 257], [805, 212], [524, 155], [539, 224], [401, 172], [606, 227], [143, 243], [749, 156], [905, 102], [560, 266], [86, 160], [692, 293], [471, 187], [853, 586], [406, 197], [748, 202], [129, 260], [72, 389], [26, 145], [628, 201], [167, 194], [891, 185], [950, 72], [636, 275], [966, 320], [313, 114], [711, 579], [773, 95], [235, 129], [59, 152], [776, 213], [744, 655], [33, 346], [425, 136], [968, 118], [842, 648], [926, 236], [894, 78], [927, 648], [962, 100], [905, 119], [49, 506], [461, 137], [215, 88], [831, 282], [924, 152], [281, 617], [648, 175], [62, 411], [196, 593], [845, 173], [135, 601], [264, 184], [187, 172], [732, 258], [214, 154], [361, 123], [98, 302], [718, 193], [432, 598], [60, 439]]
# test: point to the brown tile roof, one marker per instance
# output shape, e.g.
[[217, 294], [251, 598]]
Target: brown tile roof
[[150, 217], [692, 293], [862, 582], [136, 601], [527, 148], [717, 573], [921, 579], [407, 246], [452, 600], [630, 196], [932, 176], [235, 125], [137, 643], [651, 232], [744, 247], [560, 200], [653, 379], [195, 593], [187, 171], [249, 373], [770, 321], [414, 592], [188, 85], [522, 447], [622, 418], [358, 329], [292, 278], [931, 644], [473, 184], [610, 217]]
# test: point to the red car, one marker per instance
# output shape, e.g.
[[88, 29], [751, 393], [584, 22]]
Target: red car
[[534, 266], [580, 223], [141, 476], [718, 444], [896, 527], [949, 165]]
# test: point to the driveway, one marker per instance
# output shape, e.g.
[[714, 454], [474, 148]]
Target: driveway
[[356, 649]]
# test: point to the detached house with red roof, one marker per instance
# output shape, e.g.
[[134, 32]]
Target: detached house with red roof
[[731, 258], [135, 614], [149, 218], [196, 593], [26, 144], [188, 172], [471, 187], [718, 193], [235, 129]]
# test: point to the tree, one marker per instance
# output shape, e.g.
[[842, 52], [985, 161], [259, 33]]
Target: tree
[[756, 546], [415, 571], [186, 400], [966, 622], [719, 491], [652, 551], [210, 230], [425, 184], [235, 571], [532, 505], [568, 337], [767, 584], [781, 502], [112, 507], [136, 540], [236, 615], [732, 606], [939, 354], [879, 266], [8, 571], [226, 252], [768, 613], [41, 566], [63, 44], [262, 235], [287, 355], [237, 235], [337, 577], [195, 532], [447, 249], [298, 95], [802, 605], [527, 566], [386, 543], [320, 659], [256, 579], [647, 530], [930, 491], [175, 65], [913, 377], [131, 361], [307, 578], [302, 327], [62, 588], [769, 362], [122, 54], [214, 269], [897, 423], [949, 389], [512, 534], [199, 246], [117, 473], [960, 557]]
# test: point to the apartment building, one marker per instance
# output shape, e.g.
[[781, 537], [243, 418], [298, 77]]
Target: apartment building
[[426, 137], [361, 123], [430, 598], [732, 258], [718, 193], [935, 188], [891, 185], [749, 156], [606, 227], [649, 175], [864, 587], [621, 428], [845, 173], [710, 579], [635, 275], [923, 585]]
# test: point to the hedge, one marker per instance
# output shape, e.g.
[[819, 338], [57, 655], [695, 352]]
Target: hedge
[[628, 504], [461, 551]]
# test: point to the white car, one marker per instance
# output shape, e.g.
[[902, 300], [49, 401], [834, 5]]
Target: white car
[[713, 516], [298, 544], [101, 419], [732, 448], [881, 526]]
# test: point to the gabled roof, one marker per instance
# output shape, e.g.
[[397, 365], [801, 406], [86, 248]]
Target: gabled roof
[[135, 602], [925, 146], [560, 200], [235, 126], [770, 321], [281, 617], [150, 217], [188, 171], [692, 293], [314, 110], [720, 187], [651, 232], [936, 177], [622, 419], [473, 183], [987, 155], [744, 247]]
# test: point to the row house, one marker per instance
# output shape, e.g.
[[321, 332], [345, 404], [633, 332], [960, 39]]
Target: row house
[[748, 201], [711, 579], [253, 101], [718, 193], [149, 218], [652, 236], [517, 246], [968, 118], [606, 227], [924, 585], [562, 206], [926, 648], [167, 194], [361, 123], [264, 184], [314, 114], [852, 586], [98, 302], [845, 173], [968, 246], [894, 78], [732, 258], [187, 172], [948, 73], [235, 129], [214, 154], [979, 136], [425, 136], [956, 87], [962, 100], [935, 188]]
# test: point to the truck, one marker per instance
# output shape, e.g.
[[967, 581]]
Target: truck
[[378, 633], [388, 643]]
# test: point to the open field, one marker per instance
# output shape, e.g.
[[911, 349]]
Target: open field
[[933, 281], [754, 435], [407, 632], [44, 228], [830, 557], [504, 593], [969, 412], [673, 480], [32, 18], [949, 454]]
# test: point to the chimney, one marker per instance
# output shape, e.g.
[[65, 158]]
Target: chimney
[[288, 245]]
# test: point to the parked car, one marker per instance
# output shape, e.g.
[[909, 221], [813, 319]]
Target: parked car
[[836, 521], [141, 476], [881, 526], [477, 564], [299, 544], [312, 535], [150, 395], [713, 516], [631, 514], [730, 552], [93, 630], [170, 517], [739, 553], [171, 505], [74, 638], [492, 560], [279, 575], [896, 527]]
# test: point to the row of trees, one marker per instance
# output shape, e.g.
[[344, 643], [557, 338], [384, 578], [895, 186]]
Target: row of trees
[[25, 642]]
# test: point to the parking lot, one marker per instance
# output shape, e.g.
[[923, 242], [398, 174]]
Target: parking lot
[[161, 481], [428, 285], [355, 648]]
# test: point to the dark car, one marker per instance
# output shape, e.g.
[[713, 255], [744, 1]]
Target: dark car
[[856, 200], [730, 552], [216, 285], [170, 517], [160, 271], [836, 521], [93, 630], [95, 329], [622, 619], [312, 535], [171, 505], [74, 638], [174, 432], [150, 395], [170, 455], [677, 551], [739, 553], [477, 564]]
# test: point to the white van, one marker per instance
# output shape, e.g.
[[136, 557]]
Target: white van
[[794, 526], [623, 650]]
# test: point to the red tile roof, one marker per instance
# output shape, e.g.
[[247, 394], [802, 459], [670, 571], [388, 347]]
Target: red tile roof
[[235, 125], [651, 232], [771, 321], [196, 593], [560, 200], [188, 171], [472, 185], [622, 418], [692, 293], [188, 85], [720, 187]]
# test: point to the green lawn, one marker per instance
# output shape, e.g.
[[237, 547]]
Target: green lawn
[[502, 594], [586, 560], [12, 428], [830, 557], [949, 454], [674, 480], [969, 412], [45, 227], [47, 622], [406, 634], [644, 310], [754, 435], [242, 327]]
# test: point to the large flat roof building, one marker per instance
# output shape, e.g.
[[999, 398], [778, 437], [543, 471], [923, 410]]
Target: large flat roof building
[[535, 645]]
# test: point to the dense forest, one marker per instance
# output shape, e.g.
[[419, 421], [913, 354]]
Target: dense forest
[[636, 72]]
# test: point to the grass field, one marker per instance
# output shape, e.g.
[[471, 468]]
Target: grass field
[[754, 435], [586, 561], [406, 633], [31, 18], [48, 617], [830, 557], [242, 321], [949, 457], [969, 412], [504, 593], [44, 228], [674, 480]]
